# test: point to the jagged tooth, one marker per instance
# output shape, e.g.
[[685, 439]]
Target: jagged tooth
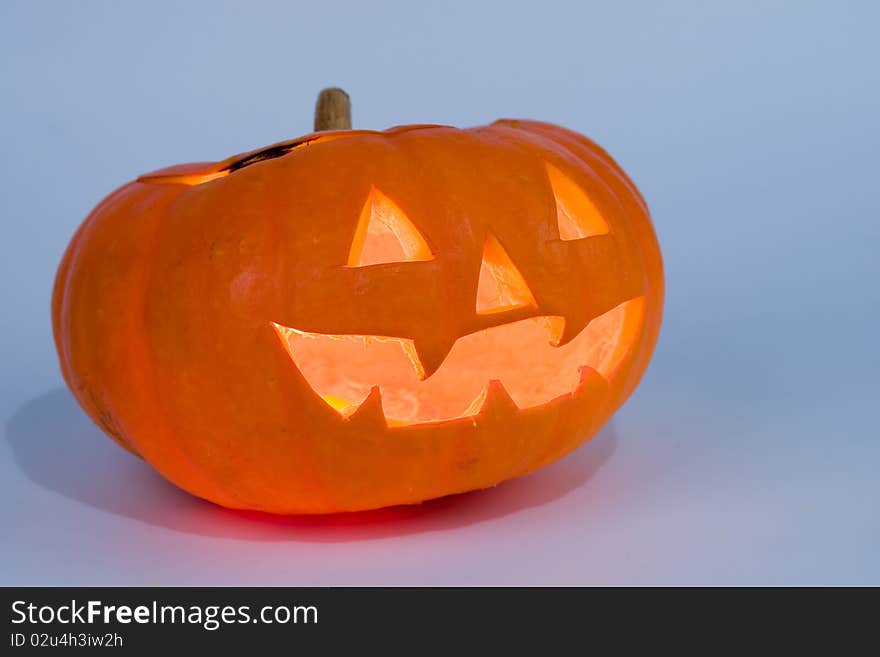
[[588, 378], [428, 356], [496, 399], [370, 411], [573, 327], [556, 329]]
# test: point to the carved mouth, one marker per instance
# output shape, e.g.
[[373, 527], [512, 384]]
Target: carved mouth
[[520, 356]]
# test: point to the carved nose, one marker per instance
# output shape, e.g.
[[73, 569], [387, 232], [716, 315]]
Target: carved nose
[[501, 285]]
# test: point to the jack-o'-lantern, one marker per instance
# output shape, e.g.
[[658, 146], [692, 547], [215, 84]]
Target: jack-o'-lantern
[[355, 319]]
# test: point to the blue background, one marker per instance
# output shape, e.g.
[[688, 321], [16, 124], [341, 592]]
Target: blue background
[[750, 452]]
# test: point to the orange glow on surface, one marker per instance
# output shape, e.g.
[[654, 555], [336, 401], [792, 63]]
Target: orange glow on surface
[[189, 179], [342, 369]]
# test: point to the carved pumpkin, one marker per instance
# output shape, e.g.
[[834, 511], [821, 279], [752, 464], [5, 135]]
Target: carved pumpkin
[[355, 319]]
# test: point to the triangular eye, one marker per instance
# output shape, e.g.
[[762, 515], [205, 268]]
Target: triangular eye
[[576, 215], [501, 286], [385, 234]]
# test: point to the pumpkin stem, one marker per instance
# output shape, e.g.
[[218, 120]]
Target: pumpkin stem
[[333, 110]]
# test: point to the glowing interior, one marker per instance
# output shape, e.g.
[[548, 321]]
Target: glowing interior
[[501, 285], [385, 234], [342, 369], [576, 215]]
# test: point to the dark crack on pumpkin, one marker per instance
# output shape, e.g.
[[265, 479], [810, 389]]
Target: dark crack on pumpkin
[[269, 153]]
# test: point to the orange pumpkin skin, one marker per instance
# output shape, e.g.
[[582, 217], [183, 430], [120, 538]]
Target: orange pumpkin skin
[[167, 302]]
